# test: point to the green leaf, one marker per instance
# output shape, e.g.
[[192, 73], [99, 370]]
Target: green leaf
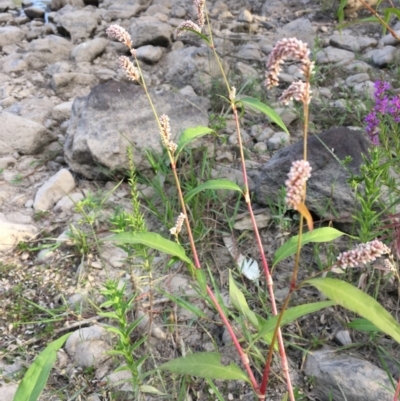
[[35, 379], [145, 388], [199, 34], [185, 304], [239, 302], [289, 248], [290, 315], [355, 300], [190, 135], [340, 11], [206, 365], [255, 104], [362, 324], [154, 241], [213, 185]]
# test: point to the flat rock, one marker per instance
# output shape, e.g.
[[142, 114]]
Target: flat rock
[[76, 23], [102, 126], [328, 183], [22, 135], [47, 50], [122, 11], [345, 378], [11, 233], [333, 55], [349, 42], [34, 12], [149, 54], [8, 391], [57, 4], [150, 31], [55, 188], [88, 51], [62, 111], [384, 56], [301, 28], [69, 84], [10, 35]]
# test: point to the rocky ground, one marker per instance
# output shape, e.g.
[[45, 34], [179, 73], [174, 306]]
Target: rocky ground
[[68, 115]]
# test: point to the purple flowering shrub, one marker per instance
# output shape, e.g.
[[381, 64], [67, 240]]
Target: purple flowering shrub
[[382, 121]]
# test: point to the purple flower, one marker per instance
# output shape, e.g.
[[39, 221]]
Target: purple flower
[[380, 88]]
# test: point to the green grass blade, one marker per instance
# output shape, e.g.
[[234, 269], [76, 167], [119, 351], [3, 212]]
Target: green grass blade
[[290, 315], [289, 248], [357, 301], [362, 324], [239, 302], [154, 241], [255, 104], [191, 134], [213, 185], [206, 365], [35, 379]]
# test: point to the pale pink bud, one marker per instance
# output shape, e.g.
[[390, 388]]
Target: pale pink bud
[[291, 48], [297, 90], [299, 173], [119, 33], [178, 225], [362, 254], [130, 70], [184, 26], [199, 4], [166, 134]]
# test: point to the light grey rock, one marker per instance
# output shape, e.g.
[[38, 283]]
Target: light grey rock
[[88, 347], [300, 28], [246, 139], [34, 12], [278, 140], [366, 88], [122, 11], [333, 55], [14, 65], [233, 175], [178, 12], [62, 111], [57, 4], [7, 162], [102, 125], [10, 35], [71, 84], [157, 9], [115, 256], [88, 51], [34, 108], [245, 16], [78, 24], [273, 6], [68, 202], [349, 42], [150, 31], [197, 68], [149, 54], [12, 233], [250, 51], [328, 180], [22, 135], [260, 147], [345, 378], [343, 337], [384, 56], [8, 391], [53, 190], [357, 66], [5, 18], [356, 79], [246, 70], [390, 40], [47, 50]]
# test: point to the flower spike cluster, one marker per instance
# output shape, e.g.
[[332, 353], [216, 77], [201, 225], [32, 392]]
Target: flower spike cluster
[[190, 25], [178, 225], [130, 70], [290, 48], [361, 255], [119, 33], [299, 173], [166, 134]]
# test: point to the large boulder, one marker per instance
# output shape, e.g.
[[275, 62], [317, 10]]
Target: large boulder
[[10, 35], [197, 67], [19, 134], [150, 31], [329, 195], [116, 115], [47, 50], [79, 24]]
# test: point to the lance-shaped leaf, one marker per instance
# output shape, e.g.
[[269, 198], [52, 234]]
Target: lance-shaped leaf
[[191, 134], [255, 104], [213, 185], [206, 365], [154, 241], [359, 302]]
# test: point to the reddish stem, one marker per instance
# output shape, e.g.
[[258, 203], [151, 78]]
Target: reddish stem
[[397, 393]]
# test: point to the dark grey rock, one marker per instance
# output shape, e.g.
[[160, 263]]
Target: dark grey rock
[[345, 378], [114, 116], [328, 193]]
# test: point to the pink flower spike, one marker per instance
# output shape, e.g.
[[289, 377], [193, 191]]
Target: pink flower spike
[[119, 33], [184, 26], [299, 173]]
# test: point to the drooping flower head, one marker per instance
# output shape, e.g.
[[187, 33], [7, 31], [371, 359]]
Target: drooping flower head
[[362, 254], [119, 33], [299, 173], [130, 70], [184, 26], [178, 225], [166, 134]]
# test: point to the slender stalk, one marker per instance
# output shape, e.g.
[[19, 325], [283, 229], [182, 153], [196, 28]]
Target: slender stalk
[[380, 19], [397, 393]]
